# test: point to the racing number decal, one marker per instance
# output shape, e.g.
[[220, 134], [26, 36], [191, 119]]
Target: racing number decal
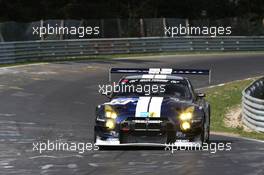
[[142, 107], [149, 107], [155, 106]]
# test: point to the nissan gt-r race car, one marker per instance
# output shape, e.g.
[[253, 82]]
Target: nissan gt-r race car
[[153, 106]]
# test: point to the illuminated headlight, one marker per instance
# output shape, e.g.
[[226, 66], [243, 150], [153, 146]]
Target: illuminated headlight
[[110, 114], [186, 116], [185, 125], [110, 124]]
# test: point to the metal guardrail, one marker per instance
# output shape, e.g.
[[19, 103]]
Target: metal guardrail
[[253, 105], [11, 52]]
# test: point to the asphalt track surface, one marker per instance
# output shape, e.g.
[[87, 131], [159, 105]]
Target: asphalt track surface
[[57, 102]]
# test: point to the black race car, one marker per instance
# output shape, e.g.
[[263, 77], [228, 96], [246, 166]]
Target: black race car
[[154, 106]]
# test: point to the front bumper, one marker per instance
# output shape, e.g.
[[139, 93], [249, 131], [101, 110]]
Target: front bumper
[[145, 131]]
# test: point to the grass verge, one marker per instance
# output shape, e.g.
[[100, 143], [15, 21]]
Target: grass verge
[[221, 99]]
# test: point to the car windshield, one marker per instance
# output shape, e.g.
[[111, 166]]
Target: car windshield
[[168, 88]]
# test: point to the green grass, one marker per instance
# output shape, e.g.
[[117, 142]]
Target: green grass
[[221, 99]]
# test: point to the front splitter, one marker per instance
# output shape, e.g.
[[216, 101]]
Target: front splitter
[[116, 142]]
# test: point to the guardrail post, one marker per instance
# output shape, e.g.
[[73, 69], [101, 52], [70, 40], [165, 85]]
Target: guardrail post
[[102, 27], [1, 36], [119, 27], [187, 25], [142, 31], [62, 25], [41, 25], [164, 25]]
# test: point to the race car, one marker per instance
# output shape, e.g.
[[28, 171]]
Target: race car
[[154, 106]]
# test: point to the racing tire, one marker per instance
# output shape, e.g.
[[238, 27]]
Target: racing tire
[[171, 137], [123, 137], [208, 127], [94, 137], [201, 136], [207, 134]]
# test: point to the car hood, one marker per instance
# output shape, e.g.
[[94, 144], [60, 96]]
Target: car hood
[[148, 106]]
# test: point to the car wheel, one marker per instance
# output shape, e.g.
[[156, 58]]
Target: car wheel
[[95, 136], [207, 138], [208, 127], [201, 137], [171, 137], [123, 138]]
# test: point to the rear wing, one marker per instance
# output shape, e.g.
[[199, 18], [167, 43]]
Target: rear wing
[[161, 71]]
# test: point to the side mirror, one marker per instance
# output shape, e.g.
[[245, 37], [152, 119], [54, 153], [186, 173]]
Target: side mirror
[[201, 95]]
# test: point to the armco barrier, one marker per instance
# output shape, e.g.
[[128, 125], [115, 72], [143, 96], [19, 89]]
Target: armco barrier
[[11, 52], [253, 105]]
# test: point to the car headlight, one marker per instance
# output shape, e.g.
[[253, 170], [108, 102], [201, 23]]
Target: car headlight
[[185, 125], [110, 114], [187, 114], [110, 124]]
